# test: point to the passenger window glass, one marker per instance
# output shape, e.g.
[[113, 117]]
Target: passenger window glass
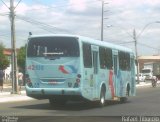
[[105, 55], [87, 55]]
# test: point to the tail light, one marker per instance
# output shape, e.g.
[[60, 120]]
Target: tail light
[[78, 80], [79, 75], [28, 80]]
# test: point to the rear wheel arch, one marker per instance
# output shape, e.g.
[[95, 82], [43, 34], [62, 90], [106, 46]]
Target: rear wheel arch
[[127, 93], [128, 89], [102, 95], [104, 87]]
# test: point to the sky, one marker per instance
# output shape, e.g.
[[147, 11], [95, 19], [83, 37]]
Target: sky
[[83, 17]]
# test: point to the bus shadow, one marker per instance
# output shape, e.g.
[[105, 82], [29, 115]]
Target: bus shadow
[[70, 106], [77, 106]]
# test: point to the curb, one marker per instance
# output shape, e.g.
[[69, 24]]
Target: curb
[[15, 99], [8, 97], [143, 84]]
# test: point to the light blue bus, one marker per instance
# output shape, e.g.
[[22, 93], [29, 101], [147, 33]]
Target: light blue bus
[[70, 67]]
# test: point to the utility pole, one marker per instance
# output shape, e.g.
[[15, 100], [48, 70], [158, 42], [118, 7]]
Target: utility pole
[[13, 43], [136, 53], [102, 20]]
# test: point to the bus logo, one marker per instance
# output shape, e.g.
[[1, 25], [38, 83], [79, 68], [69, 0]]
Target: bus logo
[[67, 69]]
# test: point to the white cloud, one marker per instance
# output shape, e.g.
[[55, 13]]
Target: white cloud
[[22, 9], [77, 5], [83, 17], [3, 8]]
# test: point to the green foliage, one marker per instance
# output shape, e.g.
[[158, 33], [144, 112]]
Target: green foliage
[[4, 61], [21, 57]]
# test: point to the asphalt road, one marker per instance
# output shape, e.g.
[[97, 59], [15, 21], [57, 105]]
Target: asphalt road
[[145, 103]]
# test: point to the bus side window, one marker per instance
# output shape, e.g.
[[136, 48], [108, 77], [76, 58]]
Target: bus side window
[[87, 55]]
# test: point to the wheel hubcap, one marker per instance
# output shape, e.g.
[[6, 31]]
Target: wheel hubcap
[[102, 100]]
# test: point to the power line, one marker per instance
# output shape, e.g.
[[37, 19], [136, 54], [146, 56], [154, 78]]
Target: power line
[[148, 46], [36, 25], [120, 42], [4, 14], [17, 4], [8, 6], [4, 35], [41, 24], [45, 26], [5, 4], [126, 42]]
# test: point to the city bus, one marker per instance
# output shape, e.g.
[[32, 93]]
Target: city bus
[[70, 67]]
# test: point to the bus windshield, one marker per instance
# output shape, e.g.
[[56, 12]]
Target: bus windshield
[[53, 47]]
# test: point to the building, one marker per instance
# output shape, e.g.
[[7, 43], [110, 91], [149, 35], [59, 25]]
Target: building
[[147, 59], [8, 53]]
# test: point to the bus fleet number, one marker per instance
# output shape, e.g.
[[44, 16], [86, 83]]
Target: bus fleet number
[[35, 67]]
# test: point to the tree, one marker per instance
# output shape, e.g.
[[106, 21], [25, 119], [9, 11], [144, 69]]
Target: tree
[[4, 61], [21, 57]]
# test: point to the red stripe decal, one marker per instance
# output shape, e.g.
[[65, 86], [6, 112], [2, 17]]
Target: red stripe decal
[[61, 68], [111, 82]]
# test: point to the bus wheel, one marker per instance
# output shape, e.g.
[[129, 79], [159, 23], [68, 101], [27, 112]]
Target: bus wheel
[[102, 97], [124, 99]]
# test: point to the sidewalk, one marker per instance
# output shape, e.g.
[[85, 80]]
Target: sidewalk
[[6, 95], [143, 84]]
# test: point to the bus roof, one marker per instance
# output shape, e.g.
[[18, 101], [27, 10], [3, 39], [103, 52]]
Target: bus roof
[[87, 39]]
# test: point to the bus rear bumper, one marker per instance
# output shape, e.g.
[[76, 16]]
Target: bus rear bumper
[[46, 93]]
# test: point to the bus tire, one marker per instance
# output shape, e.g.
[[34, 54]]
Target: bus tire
[[102, 97], [125, 99]]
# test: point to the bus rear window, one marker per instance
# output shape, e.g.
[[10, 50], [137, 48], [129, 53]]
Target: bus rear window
[[53, 46]]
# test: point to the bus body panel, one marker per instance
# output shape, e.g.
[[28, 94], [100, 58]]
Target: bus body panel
[[53, 74], [68, 76], [53, 78]]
